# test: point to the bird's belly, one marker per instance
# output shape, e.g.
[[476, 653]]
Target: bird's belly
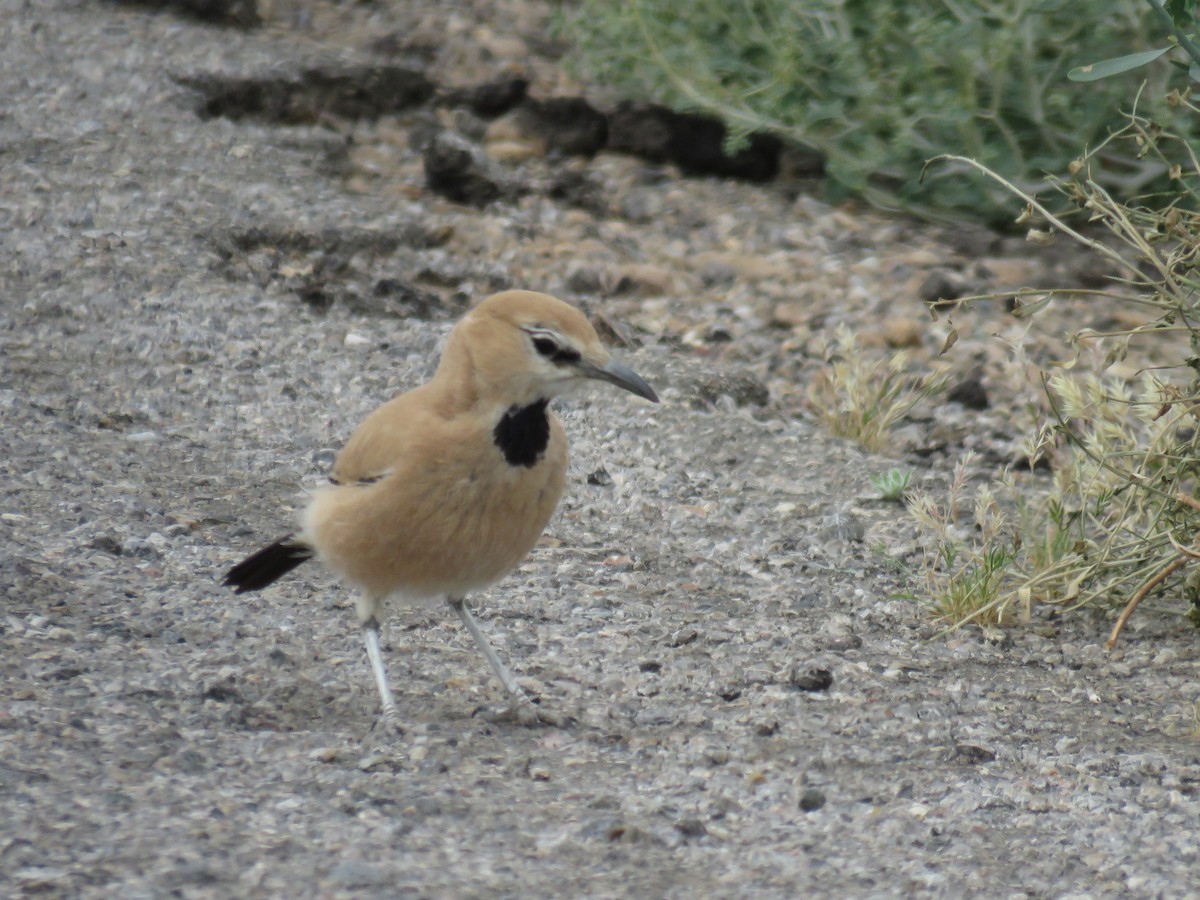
[[443, 537]]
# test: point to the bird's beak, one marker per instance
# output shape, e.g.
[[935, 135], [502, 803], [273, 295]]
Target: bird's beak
[[622, 376]]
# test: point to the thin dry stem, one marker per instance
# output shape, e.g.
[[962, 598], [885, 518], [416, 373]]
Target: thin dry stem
[[1145, 589]]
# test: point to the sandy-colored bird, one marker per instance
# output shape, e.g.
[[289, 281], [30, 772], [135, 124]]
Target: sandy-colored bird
[[444, 489]]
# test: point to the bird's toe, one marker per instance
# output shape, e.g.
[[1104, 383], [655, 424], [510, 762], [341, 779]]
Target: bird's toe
[[526, 714], [387, 725]]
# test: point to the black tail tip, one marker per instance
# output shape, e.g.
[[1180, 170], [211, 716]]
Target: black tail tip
[[268, 565]]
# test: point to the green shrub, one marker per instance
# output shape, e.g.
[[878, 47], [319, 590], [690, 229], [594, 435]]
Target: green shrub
[[879, 87]]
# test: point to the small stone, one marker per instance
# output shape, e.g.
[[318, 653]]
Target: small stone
[[807, 600], [492, 98], [241, 13], [196, 873], [903, 332], [510, 129], [811, 679], [654, 717], [1005, 274], [581, 191], [586, 279], [108, 543], [600, 478], [842, 642], [38, 878], [640, 206], [461, 172], [222, 692], [645, 279], [568, 125], [791, 315], [718, 274], [374, 761], [141, 549], [514, 152], [624, 833], [391, 296], [742, 388], [943, 284], [841, 525], [354, 339], [323, 459], [811, 800], [691, 828], [922, 258], [970, 392], [968, 755], [717, 757], [501, 46], [467, 124], [683, 637]]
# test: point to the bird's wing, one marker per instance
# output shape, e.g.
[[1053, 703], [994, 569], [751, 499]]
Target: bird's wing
[[384, 439]]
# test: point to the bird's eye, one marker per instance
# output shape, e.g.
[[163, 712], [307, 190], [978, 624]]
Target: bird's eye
[[545, 347]]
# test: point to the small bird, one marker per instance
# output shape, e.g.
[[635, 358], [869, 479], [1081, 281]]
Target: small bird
[[444, 489]]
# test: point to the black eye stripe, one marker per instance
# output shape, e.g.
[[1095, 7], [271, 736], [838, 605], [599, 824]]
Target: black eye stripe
[[552, 350], [565, 355]]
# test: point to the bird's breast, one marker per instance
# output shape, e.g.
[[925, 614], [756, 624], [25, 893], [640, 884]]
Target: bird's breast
[[451, 522], [522, 434]]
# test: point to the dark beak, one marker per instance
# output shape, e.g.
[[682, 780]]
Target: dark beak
[[622, 376]]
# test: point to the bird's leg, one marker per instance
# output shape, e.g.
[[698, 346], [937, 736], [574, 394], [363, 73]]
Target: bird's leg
[[391, 718], [524, 707]]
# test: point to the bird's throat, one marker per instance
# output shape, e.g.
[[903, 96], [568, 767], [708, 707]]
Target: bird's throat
[[523, 433]]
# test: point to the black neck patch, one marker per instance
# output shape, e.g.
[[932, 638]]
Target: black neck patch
[[523, 433]]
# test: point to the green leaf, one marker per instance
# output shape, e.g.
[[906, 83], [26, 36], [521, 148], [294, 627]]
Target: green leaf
[[1115, 66], [1182, 12]]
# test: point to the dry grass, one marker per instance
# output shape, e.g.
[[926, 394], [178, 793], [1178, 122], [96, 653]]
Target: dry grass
[[863, 399], [1118, 518]]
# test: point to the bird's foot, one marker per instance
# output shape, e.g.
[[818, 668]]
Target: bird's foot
[[524, 712], [387, 725]]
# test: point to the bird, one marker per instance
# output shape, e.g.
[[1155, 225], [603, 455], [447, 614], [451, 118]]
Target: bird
[[444, 489]]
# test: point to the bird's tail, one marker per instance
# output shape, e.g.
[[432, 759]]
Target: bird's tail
[[270, 563]]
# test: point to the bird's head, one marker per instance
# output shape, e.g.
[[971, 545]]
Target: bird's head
[[522, 346]]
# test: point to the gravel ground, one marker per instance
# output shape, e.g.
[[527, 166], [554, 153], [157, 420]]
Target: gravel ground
[[197, 311]]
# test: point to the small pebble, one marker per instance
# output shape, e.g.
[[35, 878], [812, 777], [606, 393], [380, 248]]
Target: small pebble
[[810, 679], [691, 828], [811, 800]]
